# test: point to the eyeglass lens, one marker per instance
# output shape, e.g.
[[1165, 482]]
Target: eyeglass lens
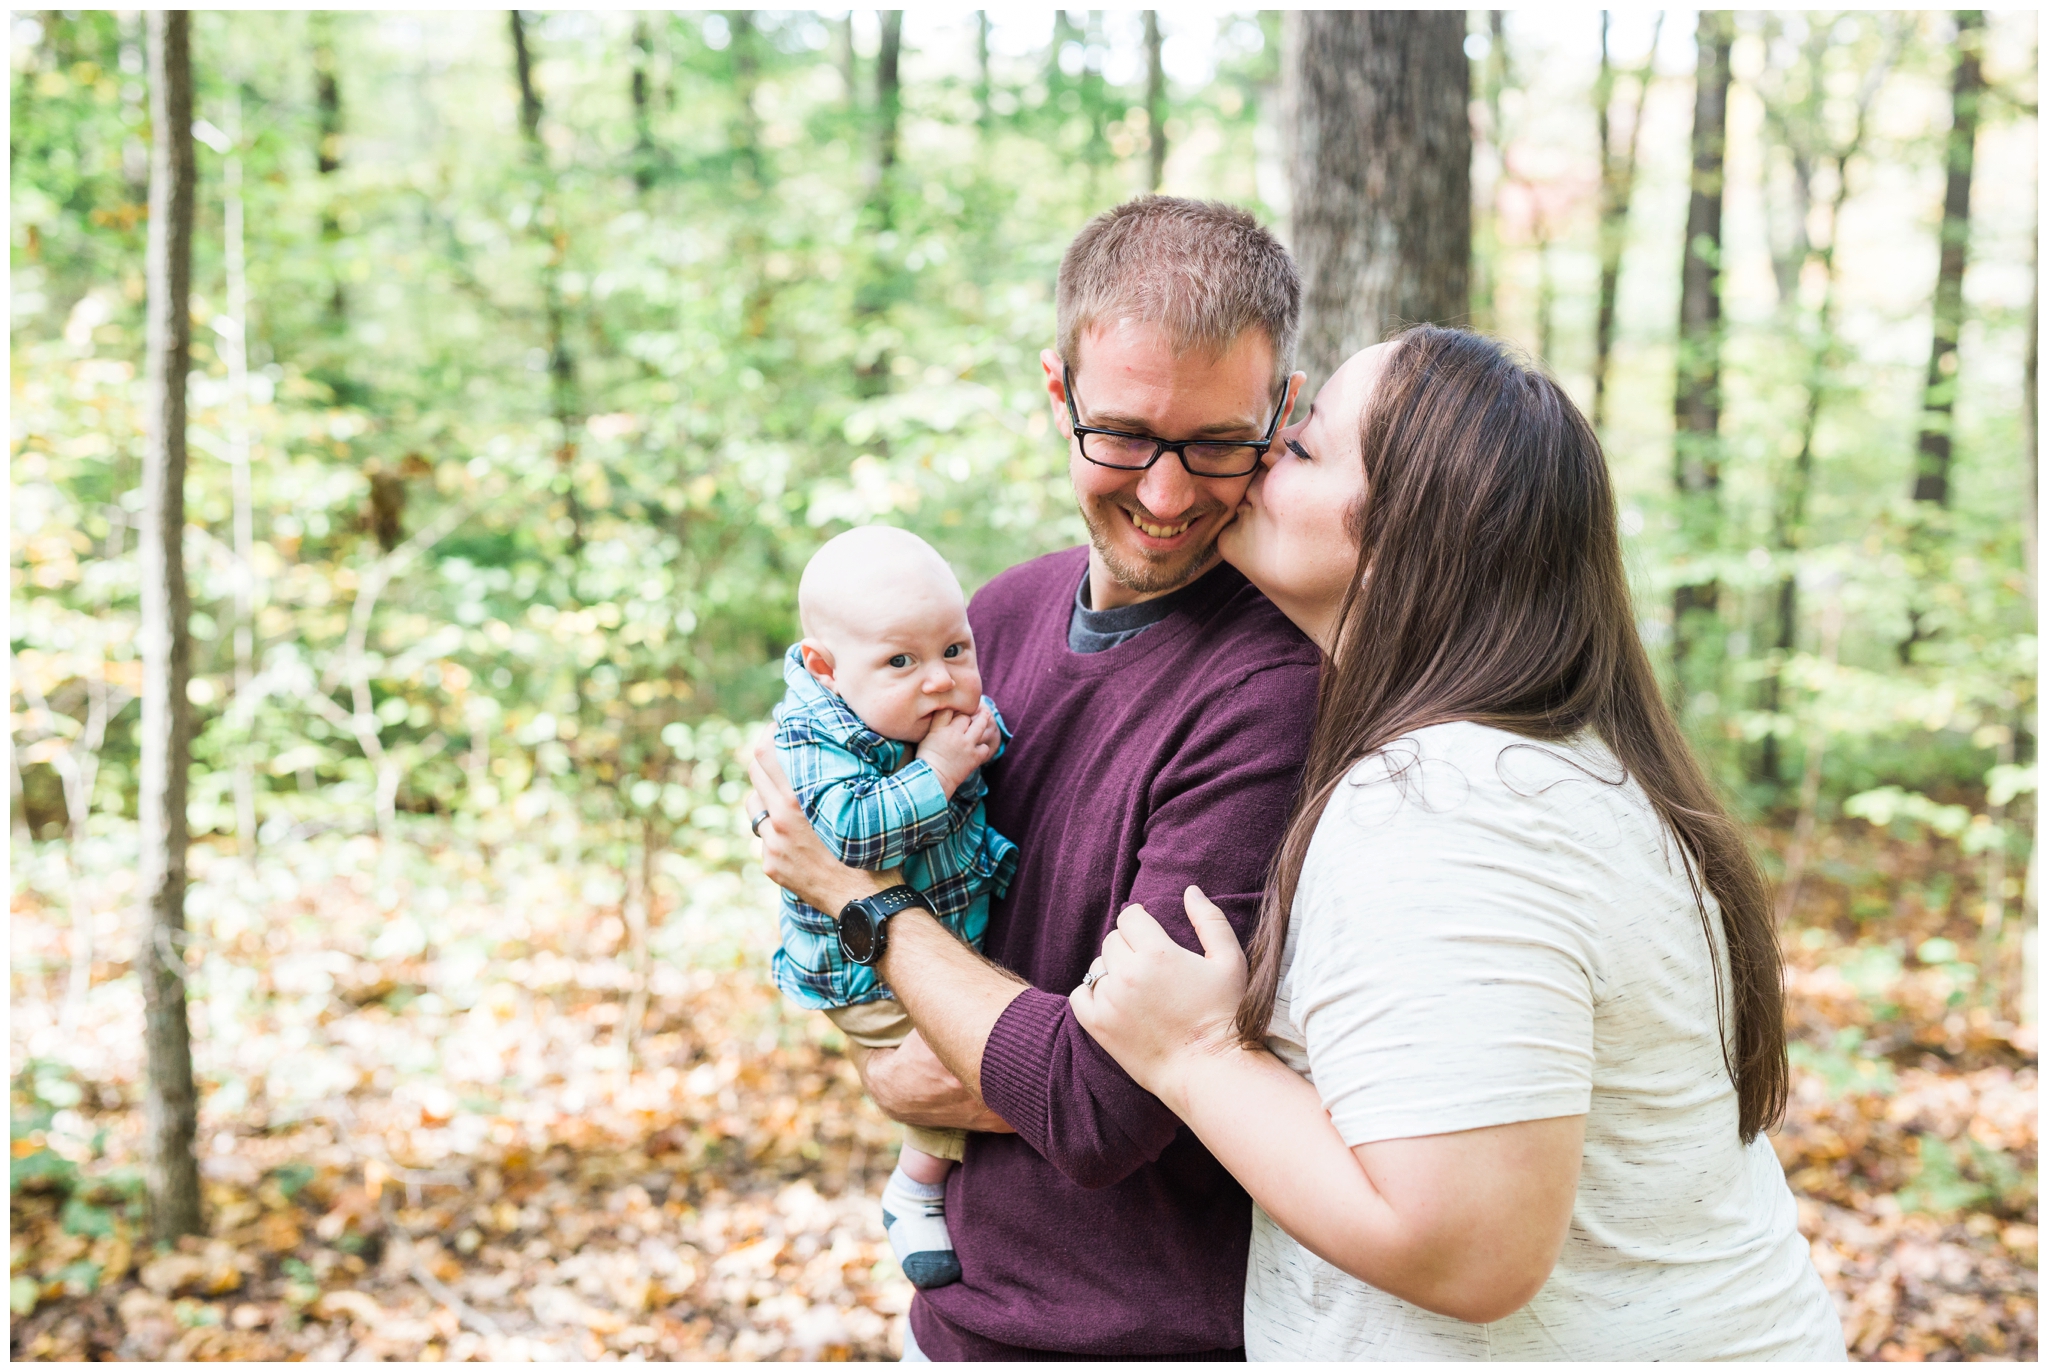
[[1203, 459]]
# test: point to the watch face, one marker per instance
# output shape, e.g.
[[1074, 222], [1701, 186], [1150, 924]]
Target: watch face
[[857, 935]]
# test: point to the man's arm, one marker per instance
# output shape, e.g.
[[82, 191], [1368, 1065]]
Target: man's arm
[[1218, 810]]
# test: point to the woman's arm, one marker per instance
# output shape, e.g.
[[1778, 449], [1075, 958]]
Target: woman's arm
[[1466, 1224]]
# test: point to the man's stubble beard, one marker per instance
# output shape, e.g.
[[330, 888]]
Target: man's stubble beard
[[1145, 577]]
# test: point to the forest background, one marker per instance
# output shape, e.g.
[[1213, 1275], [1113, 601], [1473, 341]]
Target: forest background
[[534, 354]]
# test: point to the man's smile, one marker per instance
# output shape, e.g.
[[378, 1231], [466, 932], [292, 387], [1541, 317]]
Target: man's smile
[[1155, 530]]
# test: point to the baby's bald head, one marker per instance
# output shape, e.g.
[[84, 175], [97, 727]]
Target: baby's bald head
[[885, 628], [865, 570]]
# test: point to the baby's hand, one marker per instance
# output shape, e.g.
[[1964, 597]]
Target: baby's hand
[[957, 744]]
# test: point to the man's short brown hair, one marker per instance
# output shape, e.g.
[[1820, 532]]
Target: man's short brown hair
[[1205, 271]]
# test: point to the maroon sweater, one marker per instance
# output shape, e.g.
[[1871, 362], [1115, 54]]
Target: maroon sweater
[[1103, 1227]]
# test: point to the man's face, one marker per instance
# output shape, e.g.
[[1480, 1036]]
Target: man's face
[[1155, 530]]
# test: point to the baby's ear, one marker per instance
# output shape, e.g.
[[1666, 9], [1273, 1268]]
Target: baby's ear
[[818, 662]]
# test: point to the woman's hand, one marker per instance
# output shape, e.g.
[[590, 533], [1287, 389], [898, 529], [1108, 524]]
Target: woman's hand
[[792, 854], [1159, 1009]]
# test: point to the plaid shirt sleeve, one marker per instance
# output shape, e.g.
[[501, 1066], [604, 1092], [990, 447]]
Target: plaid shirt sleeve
[[867, 819]]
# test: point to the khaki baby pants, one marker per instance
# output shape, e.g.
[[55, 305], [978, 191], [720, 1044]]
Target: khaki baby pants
[[882, 1024]]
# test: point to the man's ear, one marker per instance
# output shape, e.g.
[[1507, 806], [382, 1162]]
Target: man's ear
[[1294, 385], [1056, 387], [818, 662]]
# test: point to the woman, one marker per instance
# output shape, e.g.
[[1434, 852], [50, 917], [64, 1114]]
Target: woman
[[1498, 1071]]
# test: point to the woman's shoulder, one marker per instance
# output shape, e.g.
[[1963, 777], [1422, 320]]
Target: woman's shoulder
[[1479, 793], [1463, 759]]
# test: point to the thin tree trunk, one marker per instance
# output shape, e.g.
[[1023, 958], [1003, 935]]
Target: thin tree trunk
[[170, 1104], [643, 136], [1789, 516], [1697, 441], [984, 81], [1382, 179], [327, 150], [1797, 851], [235, 351], [1936, 448], [1155, 105], [888, 108], [1617, 189], [872, 295], [562, 383]]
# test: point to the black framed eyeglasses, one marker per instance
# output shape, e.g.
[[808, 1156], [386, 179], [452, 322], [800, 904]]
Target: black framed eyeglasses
[[1128, 452]]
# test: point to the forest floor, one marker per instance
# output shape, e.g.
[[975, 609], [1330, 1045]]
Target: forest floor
[[421, 1137]]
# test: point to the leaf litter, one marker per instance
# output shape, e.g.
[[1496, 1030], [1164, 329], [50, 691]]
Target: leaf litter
[[422, 1135]]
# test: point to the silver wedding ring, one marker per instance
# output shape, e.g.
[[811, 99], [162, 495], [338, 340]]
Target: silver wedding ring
[[1095, 974], [756, 825]]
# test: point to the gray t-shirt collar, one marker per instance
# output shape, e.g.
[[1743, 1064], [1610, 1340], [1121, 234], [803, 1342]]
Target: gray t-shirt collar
[[1095, 631]]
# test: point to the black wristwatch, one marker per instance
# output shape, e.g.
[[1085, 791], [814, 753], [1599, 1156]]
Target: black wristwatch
[[863, 924]]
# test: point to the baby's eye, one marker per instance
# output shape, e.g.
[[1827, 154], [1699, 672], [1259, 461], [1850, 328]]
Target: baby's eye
[[899, 661], [954, 649]]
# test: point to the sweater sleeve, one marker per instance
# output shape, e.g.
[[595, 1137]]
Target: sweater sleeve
[[1218, 810]]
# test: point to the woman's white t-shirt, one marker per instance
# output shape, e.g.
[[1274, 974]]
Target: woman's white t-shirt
[[1489, 930]]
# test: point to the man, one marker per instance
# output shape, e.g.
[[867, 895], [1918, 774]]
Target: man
[[1160, 709]]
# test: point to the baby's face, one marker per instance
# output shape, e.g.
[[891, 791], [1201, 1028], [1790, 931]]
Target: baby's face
[[905, 663]]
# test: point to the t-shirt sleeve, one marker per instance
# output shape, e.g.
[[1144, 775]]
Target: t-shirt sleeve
[[1444, 972]]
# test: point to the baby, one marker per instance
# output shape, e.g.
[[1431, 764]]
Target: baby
[[882, 734]]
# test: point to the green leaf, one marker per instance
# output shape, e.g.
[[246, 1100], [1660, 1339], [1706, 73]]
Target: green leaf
[[80, 1218]]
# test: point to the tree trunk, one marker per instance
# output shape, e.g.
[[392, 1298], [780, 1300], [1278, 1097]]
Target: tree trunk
[[1804, 132], [327, 151], [1617, 188], [561, 361], [643, 137], [1696, 444], [984, 82], [529, 99], [1155, 106], [879, 283], [234, 350], [170, 1113], [888, 107], [1382, 175], [1937, 450]]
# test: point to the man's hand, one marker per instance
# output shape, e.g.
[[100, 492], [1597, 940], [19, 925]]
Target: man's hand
[[913, 1087], [957, 744], [792, 854]]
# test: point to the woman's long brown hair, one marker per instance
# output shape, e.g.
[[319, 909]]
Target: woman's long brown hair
[[1490, 588]]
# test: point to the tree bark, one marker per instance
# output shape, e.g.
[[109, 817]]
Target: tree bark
[[1804, 132], [562, 386], [1382, 175], [888, 106], [327, 151], [1155, 105], [984, 82], [643, 137], [170, 1104], [1937, 417], [1617, 188], [1696, 444]]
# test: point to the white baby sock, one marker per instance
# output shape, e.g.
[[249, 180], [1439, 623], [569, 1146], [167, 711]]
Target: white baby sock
[[914, 1213]]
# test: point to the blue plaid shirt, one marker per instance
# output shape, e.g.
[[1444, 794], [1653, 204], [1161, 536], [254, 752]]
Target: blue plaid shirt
[[877, 807]]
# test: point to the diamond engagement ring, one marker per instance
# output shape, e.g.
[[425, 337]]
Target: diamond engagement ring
[[1095, 974], [756, 825]]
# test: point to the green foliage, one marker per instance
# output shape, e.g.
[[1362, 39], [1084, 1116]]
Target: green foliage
[[1951, 1179], [1843, 1067], [542, 431]]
